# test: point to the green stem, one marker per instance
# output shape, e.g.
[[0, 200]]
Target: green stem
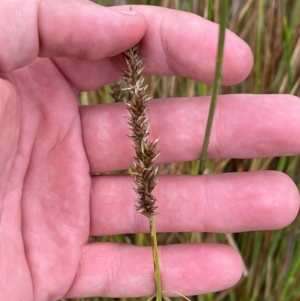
[[287, 53], [217, 81], [209, 6], [259, 44], [155, 259]]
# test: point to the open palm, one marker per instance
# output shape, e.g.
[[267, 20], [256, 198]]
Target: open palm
[[45, 218], [49, 203]]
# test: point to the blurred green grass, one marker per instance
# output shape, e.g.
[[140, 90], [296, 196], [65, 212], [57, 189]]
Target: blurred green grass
[[271, 28]]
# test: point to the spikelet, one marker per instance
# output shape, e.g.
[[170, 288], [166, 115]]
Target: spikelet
[[144, 169], [116, 92]]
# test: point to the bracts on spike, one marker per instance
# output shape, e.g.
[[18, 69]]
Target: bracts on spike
[[144, 169]]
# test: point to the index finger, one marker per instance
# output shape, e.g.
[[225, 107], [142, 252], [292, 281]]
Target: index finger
[[175, 43], [78, 29]]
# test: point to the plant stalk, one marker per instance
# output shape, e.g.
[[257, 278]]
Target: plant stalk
[[144, 169], [217, 81], [155, 258]]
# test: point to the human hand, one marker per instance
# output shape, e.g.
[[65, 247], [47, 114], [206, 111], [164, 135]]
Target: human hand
[[50, 204]]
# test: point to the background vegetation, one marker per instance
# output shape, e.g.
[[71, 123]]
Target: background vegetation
[[272, 29]]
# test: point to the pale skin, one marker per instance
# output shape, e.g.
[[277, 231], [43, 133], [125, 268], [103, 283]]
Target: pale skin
[[49, 203]]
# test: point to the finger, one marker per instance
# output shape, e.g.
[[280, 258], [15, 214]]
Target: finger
[[78, 29], [176, 43], [115, 270], [219, 203], [245, 126]]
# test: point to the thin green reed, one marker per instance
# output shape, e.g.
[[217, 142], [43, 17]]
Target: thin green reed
[[217, 82]]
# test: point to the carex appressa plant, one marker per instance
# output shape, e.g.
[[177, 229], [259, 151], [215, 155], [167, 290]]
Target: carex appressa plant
[[116, 92], [144, 169]]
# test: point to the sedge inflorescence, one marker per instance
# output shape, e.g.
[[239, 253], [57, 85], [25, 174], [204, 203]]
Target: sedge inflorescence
[[144, 169]]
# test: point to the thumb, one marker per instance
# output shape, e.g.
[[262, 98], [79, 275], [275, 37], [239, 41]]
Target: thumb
[[10, 117], [69, 28]]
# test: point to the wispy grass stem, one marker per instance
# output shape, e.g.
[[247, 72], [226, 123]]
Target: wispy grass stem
[[217, 81], [155, 259], [259, 44]]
